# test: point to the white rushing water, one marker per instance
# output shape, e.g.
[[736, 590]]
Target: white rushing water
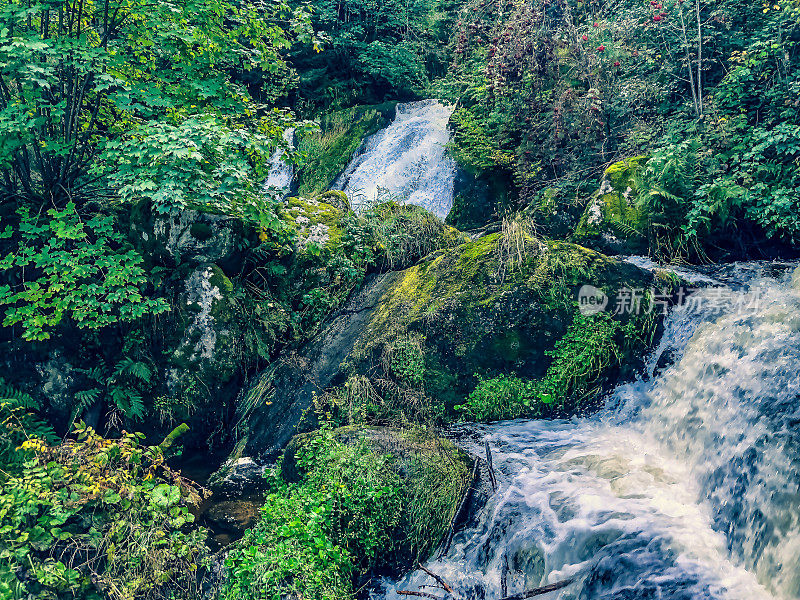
[[281, 172], [686, 486], [406, 161]]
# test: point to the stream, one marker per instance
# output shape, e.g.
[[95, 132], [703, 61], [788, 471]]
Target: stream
[[685, 486]]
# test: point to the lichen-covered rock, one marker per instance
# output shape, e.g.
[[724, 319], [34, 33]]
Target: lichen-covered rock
[[186, 237], [210, 346], [613, 222], [57, 385], [317, 223], [207, 335]]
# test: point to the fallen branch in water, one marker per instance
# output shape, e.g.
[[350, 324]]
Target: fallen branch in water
[[419, 594], [492, 478], [540, 590], [451, 529], [442, 583]]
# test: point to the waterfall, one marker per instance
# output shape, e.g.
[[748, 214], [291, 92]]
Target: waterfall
[[281, 172], [406, 161], [685, 486]]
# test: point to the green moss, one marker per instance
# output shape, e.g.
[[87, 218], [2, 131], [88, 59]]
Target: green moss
[[621, 174], [613, 210], [478, 316], [303, 214], [336, 198], [221, 281]]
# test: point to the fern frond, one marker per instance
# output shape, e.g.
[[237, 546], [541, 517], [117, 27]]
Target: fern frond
[[135, 368], [15, 398]]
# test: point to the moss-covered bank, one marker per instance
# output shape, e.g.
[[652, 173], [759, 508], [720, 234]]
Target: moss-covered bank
[[414, 345]]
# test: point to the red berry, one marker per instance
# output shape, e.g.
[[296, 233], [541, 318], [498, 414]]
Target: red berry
[[597, 24], [657, 18], [585, 37], [601, 48], [616, 63]]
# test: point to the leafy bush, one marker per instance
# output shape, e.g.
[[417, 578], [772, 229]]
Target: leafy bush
[[503, 397], [85, 73], [314, 536], [580, 360], [588, 348], [97, 518], [406, 360], [361, 501], [201, 163], [68, 266]]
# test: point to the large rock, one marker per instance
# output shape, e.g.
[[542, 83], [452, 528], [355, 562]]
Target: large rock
[[187, 237], [278, 400], [490, 307], [206, 341], [613, 221]]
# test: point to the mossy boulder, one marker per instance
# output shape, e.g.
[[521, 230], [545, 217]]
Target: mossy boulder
[[613, 221], [434, 472], [413, 344], [187, 237], [203, 361], [215, 334], [490, 307]]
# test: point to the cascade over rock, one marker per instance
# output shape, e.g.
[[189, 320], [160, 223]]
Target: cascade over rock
[[406, 161]]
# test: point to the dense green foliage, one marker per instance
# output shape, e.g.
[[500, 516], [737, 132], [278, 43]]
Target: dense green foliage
[[373, 51], [85, 83], [580, 361], [96, 518], [551, 94], [352, 508], [65, 267]]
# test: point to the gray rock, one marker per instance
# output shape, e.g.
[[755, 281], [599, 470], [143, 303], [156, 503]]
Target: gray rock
[[297, 378], [195, 237], [238, 477], [58, 384], [205, 341]]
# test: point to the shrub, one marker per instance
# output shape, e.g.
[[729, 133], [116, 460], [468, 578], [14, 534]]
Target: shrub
[[67, 265], [97, 518], [580, 358], [315, 535], [503, 397]]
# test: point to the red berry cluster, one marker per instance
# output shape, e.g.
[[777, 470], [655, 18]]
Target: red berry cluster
[[658, 11]]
